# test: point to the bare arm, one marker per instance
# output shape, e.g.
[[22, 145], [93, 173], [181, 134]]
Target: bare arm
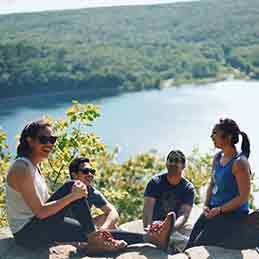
[[111, 214], [211, 184], [149, 204], [21, 179], [208, 193], [183, 215], [206, 209]]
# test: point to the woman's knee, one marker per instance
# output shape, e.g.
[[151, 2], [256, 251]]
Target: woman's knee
[[64, 190]]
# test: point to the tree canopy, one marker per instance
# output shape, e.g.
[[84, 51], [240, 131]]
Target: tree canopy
[[127, 48]]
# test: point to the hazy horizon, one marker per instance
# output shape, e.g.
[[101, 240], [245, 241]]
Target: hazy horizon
[[27, 6]]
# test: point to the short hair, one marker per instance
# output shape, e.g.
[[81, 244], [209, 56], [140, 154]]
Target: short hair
[[176, 156], [74, 165]]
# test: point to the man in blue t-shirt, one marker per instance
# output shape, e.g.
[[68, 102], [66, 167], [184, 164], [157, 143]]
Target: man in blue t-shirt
[[81, 169], [169, 191]]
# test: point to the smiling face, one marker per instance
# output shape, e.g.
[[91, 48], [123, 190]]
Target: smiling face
[[42, 144], [175, 168], [85, 173], [175, 162]]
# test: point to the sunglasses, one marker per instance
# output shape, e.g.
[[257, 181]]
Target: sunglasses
[[175, 163], [87, 171], [47, 139]]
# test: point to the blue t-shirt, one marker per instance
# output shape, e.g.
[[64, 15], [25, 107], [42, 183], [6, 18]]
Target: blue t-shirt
[[95, 198], [168, 197]]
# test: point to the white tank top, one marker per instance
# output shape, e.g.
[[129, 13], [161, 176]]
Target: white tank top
[[18, 212]]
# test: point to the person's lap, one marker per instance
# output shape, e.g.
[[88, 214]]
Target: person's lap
[[216, 231], [43, 232]]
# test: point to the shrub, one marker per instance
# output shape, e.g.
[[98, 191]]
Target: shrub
[[122, 183]]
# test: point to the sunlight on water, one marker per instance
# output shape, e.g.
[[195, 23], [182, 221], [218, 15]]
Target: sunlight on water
[[179, 117]]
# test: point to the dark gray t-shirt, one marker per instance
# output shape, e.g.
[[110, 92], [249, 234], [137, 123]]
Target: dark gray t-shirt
[[168, 197], [95, 198]]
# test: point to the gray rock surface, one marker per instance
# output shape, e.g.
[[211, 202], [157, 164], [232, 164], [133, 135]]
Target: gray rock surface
[[9, 250], [210, 252]]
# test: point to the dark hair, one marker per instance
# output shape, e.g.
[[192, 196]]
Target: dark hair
[[74, 165], [30, 130], [230, 128], [176, 156]]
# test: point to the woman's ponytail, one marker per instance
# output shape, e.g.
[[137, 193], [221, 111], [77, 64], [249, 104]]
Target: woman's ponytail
[[230, 128], [245, 146]]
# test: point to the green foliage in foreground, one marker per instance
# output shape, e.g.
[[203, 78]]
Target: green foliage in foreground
[[4, 164], [123, 184], [112, 50]]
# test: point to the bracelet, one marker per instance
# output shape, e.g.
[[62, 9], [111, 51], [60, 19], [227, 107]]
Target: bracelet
[[220, 210]]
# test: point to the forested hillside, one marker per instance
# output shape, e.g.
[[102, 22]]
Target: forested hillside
[[127, 48]]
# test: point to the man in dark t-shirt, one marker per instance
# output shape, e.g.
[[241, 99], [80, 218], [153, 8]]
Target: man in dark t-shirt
[[95, 198], [81, 169], [168, 197], [169, 191]]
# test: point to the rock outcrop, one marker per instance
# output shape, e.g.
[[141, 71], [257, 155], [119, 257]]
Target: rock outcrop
[[9, 250]]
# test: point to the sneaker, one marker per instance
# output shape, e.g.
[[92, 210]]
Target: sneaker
[[102, 241], [159, 234]]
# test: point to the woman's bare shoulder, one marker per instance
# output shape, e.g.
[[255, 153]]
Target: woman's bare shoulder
[[19, 165], [241, 164], [19, 170]]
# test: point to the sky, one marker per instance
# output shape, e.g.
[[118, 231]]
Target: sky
[[20, 6]]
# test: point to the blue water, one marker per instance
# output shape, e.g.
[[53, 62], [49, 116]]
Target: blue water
[[179, 117]]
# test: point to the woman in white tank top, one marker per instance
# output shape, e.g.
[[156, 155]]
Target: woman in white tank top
[[37, 219]]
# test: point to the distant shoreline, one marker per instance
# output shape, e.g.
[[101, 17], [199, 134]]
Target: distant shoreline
[[92, 94], [104, 92]]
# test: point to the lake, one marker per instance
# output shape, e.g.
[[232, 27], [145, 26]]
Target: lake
[[179, 117]]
